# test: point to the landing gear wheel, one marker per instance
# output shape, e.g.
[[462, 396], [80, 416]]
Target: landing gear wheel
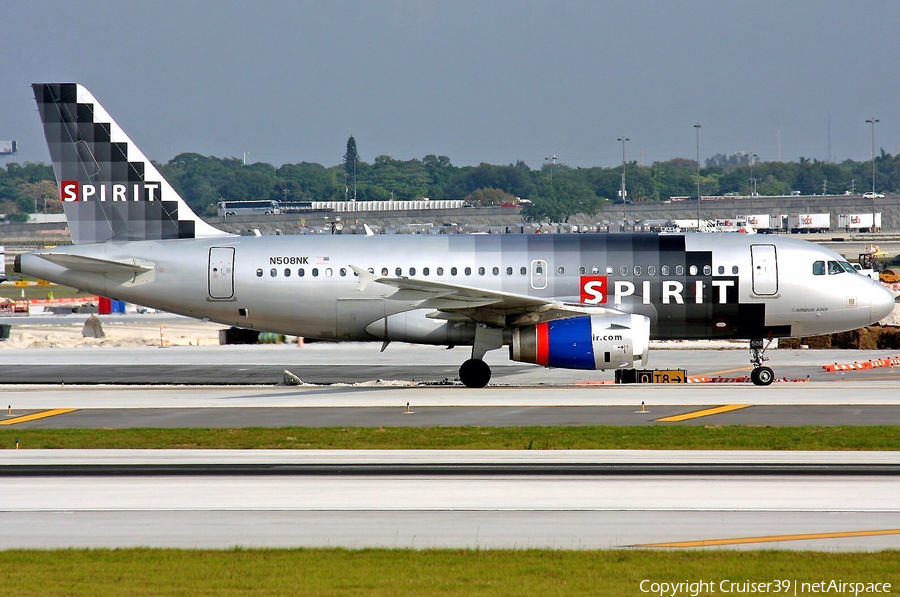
[[475, 373], [762, 376]]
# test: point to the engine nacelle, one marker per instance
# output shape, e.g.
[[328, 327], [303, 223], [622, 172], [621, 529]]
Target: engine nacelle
[[589, 342]]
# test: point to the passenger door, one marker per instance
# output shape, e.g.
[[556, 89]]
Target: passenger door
[[221, 273], [765, 269]]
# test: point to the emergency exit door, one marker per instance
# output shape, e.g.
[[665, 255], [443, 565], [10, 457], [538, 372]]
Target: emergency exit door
[[221, 272], [765, 269], [539, 274]]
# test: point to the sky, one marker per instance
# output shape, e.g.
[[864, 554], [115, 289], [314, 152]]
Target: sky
[[478, 81]]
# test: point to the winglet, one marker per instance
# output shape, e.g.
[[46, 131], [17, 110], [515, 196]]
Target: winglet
[[365, 277], [368, 230]]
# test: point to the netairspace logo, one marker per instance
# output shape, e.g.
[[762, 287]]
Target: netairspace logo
[[72, 190], [784, 586]]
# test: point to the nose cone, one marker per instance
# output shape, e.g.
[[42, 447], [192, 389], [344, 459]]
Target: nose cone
[[882, 302]]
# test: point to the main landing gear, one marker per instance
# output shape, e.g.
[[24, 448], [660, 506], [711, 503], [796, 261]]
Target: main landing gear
[[761, 375], [475, 373]]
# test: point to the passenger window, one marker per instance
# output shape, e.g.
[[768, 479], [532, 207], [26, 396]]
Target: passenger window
[[301, 272], [509, 271], [561, 270], [734, 269], [651, 270], [496, 271], [412, 271], [707, 270], [273, 272], [343, 271], [398, 272], [452, 271], [287, 272], [581, 270], [623, 270], [328, 271], [610, 270], [315, 272], [693, 270], [384, 271], [468, 271], [371, 271], [523, 270], [539, 270], [259, 273], [679, 270], [440, 271], [480, 271], [637, 270], [721, 269], [425, 271], [819, 268], [834, 268]]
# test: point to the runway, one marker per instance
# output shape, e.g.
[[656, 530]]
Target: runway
[[786, 500], [492, 510]]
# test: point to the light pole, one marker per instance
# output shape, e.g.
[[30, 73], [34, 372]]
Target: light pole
[[552, 160], [753, 157], [872, 121], [623, 139], [697, 127]]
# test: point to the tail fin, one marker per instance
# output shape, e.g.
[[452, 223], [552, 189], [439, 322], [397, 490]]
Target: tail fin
[[110, 191]]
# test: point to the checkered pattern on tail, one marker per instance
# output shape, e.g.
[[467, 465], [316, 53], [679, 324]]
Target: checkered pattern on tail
[[111, 190]]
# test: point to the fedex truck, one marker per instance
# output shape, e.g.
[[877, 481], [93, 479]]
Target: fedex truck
[[809, 223], [860, 222]]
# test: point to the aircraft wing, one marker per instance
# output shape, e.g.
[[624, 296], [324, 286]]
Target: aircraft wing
[[96, 265], [455, 302]]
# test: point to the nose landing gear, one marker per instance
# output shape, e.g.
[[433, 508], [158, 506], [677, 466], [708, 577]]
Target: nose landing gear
[[761, 375]]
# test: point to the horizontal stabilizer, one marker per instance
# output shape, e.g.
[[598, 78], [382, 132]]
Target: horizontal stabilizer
[[96, 265]]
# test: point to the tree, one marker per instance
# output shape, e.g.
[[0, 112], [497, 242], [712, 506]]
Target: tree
[[490, 196], [351, 162], [41, 196]]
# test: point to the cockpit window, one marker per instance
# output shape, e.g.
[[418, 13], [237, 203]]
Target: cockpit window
[[834, 268], [847, 267], [819, 268]]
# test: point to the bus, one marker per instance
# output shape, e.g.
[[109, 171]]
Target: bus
[[247, 208]]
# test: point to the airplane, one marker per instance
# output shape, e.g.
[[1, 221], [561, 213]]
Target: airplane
[[577, 301]]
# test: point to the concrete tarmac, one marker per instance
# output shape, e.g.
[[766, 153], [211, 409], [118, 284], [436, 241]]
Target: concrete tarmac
[[513, 510], [458, 416]]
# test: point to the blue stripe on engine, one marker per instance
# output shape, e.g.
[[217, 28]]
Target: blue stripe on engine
[[570, 343]]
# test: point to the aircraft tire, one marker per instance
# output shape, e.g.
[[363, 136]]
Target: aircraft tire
[[762, 376], [475, 373]]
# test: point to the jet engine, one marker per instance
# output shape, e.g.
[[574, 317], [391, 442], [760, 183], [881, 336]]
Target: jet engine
[[588, 342]]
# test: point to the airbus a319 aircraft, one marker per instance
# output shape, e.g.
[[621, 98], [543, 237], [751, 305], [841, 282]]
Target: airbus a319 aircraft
[[585, 301]]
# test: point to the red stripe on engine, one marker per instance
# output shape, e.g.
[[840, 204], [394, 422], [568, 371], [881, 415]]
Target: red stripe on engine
[[542, 343]]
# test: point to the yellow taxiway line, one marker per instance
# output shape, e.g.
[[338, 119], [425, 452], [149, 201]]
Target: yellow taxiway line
[[35, 416], [703, 413], [772, 539]]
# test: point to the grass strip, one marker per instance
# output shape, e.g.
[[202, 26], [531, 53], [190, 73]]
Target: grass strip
[[675, 437], [383, 572]]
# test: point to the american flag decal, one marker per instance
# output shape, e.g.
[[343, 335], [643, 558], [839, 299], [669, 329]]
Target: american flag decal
[[322, 261]]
